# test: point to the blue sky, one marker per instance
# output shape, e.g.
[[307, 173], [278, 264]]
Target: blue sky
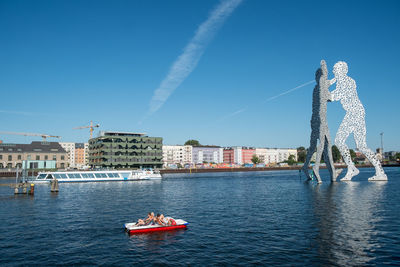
[[64, 63]]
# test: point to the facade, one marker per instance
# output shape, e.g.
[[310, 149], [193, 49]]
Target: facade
[[261, 154], [40, 154], [207, 154], [125, 150], [177, 154], [238, 155], [276, 155], [77, 154]]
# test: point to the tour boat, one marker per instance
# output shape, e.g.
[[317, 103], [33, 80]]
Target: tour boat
[[131, 228], [97, 176]]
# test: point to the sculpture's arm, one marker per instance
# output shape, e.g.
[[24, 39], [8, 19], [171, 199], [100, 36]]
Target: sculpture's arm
[[335, 95], [332, 81]]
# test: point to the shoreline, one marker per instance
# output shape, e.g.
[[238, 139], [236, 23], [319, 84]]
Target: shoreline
[[8, 174]]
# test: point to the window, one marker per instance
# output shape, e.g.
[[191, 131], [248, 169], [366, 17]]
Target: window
[[62, 157], [1, 156], [29, 157], [37, 157], [19, 157], [54, 157], [9, 158], [46, 157]]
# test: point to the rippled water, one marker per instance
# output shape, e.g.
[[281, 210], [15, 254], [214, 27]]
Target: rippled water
[[235, 219]]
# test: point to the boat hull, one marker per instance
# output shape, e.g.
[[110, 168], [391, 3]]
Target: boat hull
[[156, 229], [132, 229]]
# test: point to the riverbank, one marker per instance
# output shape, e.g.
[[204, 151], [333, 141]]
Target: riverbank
[[205, 170]]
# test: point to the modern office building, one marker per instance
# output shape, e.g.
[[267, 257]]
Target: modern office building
[[77, 154], [177, 154], [125, 150], [38, 154], [207, 154]]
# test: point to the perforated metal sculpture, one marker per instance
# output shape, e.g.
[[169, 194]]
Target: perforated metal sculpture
[[353, 122], [319, 126]]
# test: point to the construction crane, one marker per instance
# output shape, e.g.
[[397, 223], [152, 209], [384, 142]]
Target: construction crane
[[91, 127], [44, 136]]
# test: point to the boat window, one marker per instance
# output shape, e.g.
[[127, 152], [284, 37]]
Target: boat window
[[116, 175], [97, 175], [70, 175], [63, 175], [125, 174], [109, 175], [49, 176], [90, 175], [41, 176], [103, 175], [84, 175], [57, 176], [77, 175]]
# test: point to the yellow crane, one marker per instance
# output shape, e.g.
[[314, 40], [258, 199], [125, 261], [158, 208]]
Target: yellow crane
[[91, 126], [44, 136]]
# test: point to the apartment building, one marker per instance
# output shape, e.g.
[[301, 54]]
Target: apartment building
[[207, 154], [177, 154], [78, 154]]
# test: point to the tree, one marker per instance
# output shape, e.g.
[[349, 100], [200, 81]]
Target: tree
[[291, 160], [397, 156], [301, 154], [336, 154], [192, 142], [255, 159]]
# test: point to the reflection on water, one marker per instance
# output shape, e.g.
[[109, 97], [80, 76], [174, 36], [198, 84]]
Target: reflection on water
[[153, 241], [347, 216]]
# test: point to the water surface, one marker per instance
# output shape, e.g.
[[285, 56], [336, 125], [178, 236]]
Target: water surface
[[235, 219]]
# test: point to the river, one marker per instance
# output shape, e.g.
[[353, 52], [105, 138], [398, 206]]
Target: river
[[268, 218]]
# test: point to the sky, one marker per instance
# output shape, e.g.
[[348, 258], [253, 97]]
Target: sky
[[228, 73]]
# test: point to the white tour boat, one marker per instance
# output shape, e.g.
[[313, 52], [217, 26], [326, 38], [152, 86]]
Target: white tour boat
[[97, 176]]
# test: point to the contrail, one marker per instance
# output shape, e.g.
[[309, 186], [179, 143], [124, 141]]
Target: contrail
[[265, 101], [192, 53], [232, 114], [288, 91]]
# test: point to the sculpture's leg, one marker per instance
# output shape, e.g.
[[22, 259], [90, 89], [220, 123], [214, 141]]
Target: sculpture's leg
[[310, 152], [320, 149], [340, 141], [329, 160], [360, 138]]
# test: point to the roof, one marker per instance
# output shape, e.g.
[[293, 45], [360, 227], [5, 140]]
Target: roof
[[104, 133], [35, 147]]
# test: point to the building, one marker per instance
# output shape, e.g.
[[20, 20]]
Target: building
[[277, 155], [238, 155], [207, 154], [178, 154], [261, 153], [78, 154], [125, 150], [39, 155]]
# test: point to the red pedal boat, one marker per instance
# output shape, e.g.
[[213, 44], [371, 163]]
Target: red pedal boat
[[131, 228]]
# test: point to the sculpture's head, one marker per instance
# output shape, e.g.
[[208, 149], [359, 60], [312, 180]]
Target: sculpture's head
[[340, 68]]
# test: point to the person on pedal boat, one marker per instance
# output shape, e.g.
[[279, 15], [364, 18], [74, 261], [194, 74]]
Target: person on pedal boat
[[150, 218]]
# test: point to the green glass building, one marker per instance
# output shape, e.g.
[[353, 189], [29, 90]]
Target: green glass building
[[123, 150]]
